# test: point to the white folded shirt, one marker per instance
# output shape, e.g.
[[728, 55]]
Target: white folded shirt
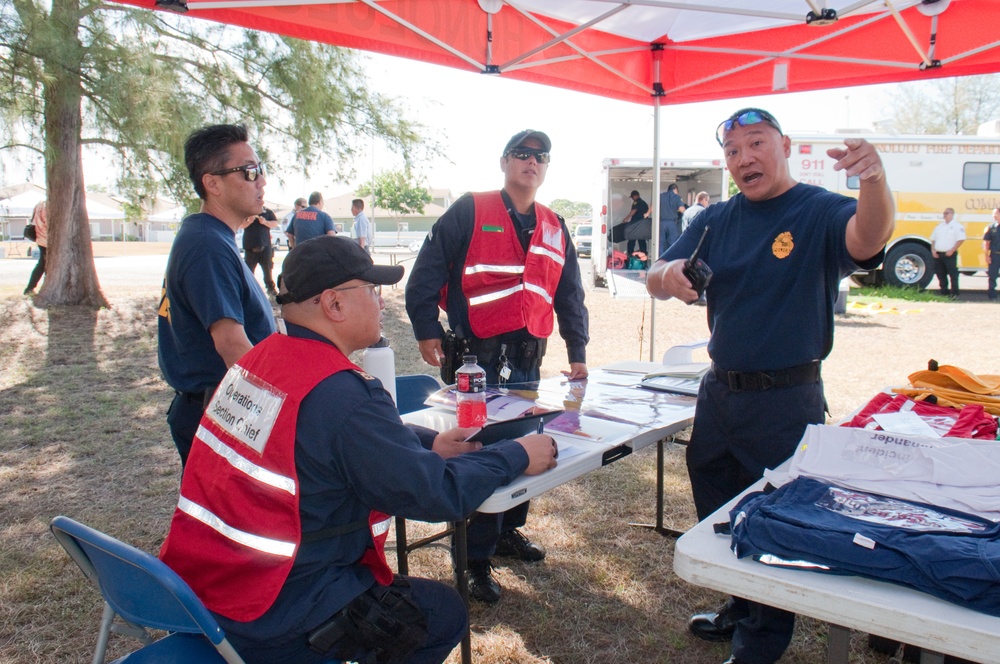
[[958, 473]]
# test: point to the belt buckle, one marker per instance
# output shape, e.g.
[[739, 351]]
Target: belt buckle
[[735, 380], [766, 380]]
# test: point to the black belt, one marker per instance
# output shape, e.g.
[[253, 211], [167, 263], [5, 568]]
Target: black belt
[[524, 354], [739, 381], [200, 398]]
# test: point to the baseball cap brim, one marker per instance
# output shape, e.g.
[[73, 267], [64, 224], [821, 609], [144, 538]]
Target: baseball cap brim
[[384, 275]]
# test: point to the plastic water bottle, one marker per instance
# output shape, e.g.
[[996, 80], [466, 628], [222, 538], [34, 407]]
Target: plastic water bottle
[[470, 393], [380, 361]]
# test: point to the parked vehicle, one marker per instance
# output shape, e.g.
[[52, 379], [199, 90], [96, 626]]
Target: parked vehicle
[[278, 237], [926, 173], [582, 237], [620, 177]]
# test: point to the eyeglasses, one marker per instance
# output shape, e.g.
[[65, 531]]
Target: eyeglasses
[[748, 117], [376, 288], [250, 171], [524, 154]]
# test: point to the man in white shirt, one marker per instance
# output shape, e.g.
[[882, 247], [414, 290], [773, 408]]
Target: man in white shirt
[[363, 231], [946, 238], [701, 203]]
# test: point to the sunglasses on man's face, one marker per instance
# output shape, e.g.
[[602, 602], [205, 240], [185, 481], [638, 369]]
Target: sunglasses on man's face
[[250, 171], [751, 117], [524, 154]]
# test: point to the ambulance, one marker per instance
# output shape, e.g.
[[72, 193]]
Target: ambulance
[[619, 178], [926, 174]]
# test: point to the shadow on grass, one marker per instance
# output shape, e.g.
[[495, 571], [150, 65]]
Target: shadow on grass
[[83, 434]]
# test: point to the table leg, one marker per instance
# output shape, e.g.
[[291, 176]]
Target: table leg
[[402, 550], [658, 526], [461, 563], [838, 644]]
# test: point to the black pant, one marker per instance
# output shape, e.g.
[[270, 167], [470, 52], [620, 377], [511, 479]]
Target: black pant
[[447, 622], [183, 417], [736, 436], [944, 267], [263, 256], [484, 528], [36, 274], [631, 245], [991, 275]]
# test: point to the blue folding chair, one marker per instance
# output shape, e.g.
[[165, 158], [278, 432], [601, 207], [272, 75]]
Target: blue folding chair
[[144, 592], [412, 390]]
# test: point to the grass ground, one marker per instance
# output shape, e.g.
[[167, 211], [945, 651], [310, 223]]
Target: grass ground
[[83, 433]]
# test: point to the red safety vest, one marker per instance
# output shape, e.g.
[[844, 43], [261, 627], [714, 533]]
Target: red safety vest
[[237, 529], [505, 288]]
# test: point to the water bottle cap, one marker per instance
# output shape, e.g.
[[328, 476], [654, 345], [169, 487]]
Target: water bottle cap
[[469, 359], [381, 343]]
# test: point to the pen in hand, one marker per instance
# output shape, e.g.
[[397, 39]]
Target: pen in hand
[[541, 429]]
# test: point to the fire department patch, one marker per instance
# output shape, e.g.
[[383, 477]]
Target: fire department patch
[[782, 245], [364, 375]]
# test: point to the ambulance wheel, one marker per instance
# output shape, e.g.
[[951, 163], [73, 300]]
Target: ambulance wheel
[[908, 264]]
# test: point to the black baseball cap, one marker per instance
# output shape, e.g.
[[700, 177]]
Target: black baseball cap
[[521, 136], [634, 193], [328, 261]]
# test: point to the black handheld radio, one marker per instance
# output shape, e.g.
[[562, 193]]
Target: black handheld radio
[[696, 270]]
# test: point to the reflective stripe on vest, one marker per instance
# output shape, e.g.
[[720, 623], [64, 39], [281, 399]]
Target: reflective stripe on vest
[[510, 269], [244, 465], [273, 546]]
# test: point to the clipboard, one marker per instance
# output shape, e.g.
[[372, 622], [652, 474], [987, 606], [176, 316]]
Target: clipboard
[[513, 428]]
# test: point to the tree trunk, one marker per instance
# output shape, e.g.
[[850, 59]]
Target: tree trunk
[[70, 274]]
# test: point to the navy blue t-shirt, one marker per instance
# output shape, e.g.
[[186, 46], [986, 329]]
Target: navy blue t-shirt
[[669, 203], [777, 266], [206, 281], [641, 208], [309, 223]]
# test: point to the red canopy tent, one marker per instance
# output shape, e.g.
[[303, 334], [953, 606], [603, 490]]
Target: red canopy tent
[[706, 50], [649, 51]]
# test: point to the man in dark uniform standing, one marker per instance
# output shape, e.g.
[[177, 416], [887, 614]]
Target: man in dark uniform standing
[[501, 265], [764, 386], [257, 247], [212, 310], [991, 247], [310, 222], [671, 211], [639, 211]]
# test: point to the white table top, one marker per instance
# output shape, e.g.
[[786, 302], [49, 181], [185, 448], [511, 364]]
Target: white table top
[[577, 456], [703, 558]]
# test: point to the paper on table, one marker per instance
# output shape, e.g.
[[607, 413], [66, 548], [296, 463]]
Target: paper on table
[[692, 370], [567, 451], [906, 422], [632, 367]]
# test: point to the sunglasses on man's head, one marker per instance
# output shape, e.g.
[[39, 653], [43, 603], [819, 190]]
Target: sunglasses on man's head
[[524, 154], [745, 119], [250, 171]]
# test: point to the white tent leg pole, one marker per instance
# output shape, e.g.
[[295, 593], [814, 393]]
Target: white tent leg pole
[[654, 242]]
